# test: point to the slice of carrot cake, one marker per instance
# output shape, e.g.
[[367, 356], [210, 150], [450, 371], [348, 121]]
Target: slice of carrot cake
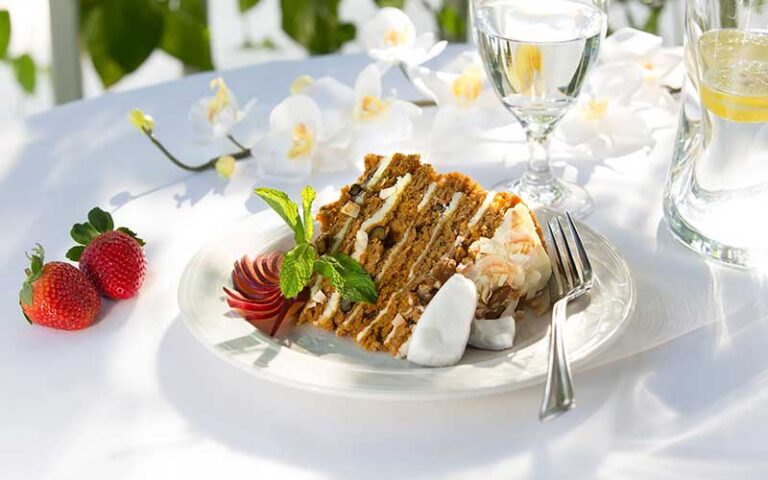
[[412, 230]]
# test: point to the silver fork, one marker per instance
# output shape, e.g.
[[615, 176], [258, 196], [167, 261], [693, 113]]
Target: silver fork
[[572, 274]]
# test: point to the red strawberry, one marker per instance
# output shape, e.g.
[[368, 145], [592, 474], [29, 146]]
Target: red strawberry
[[57, 295], [112, 259]]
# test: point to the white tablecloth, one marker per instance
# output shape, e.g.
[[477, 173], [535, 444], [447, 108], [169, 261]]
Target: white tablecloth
[[136, 396]]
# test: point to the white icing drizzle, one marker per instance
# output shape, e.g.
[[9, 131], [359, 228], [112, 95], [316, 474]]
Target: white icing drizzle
[[457, 196], [364, 332], [340, 236], [393, 254], [481, 211], [396, 322], [330, 308], [427, 196], [396, 249], [383, 164], [361, 243], [388, 205]]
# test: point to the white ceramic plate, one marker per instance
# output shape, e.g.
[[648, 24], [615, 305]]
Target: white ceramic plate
[[313, 359]]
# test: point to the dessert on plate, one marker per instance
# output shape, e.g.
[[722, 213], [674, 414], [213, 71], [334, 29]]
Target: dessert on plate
[[451, 262]]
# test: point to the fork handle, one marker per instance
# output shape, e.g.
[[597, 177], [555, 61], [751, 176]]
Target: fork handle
[[558, 391]]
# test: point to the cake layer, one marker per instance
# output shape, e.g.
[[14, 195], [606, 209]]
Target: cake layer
[[411, 229]]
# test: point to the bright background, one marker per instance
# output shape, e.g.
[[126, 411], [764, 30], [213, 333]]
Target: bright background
[[229, 28]]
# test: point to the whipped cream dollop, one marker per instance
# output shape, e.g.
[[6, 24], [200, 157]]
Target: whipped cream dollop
[[513, 257], [496, 333], [440, 337]]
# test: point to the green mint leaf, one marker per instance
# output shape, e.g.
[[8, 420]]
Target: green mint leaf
[[5, 32], [348, 277], [284, 206], [101, 220], [297, 269], [83, 233], [307, 197], [131, 233], [330, 269], [75, 253]]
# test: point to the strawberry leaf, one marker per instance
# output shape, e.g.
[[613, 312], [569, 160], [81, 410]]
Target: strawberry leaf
[[132, 234], [36, 260], [75, 253], [101, 220], [26, 294], [83, 233]]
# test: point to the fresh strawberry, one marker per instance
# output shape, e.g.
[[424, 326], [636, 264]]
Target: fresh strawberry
[[57, 295], [112, 259]]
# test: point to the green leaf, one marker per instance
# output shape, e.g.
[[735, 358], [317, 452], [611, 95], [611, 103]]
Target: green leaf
[[131, 233], [121, 34], [315, 24], [452, 24], [75, 253], [5, 32], [348, 277], [25, 295], [101, 220], [25, 71], [308, 195], [391, 3], [284, 206], [83, 233], [296, 269], [37, 260], [186, 35], [246, 5]]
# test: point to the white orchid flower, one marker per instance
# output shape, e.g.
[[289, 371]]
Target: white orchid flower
[[607, 121], [606, 127], [641, 53], [390, 36], [379, 121], [213, 117], [292, 144], [464, 98]]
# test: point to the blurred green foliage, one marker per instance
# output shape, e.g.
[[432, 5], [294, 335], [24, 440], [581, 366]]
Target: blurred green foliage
[[315, 25], [24, 68], [120, 35]]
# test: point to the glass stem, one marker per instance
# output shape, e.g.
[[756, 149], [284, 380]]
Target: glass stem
[[539, 172]]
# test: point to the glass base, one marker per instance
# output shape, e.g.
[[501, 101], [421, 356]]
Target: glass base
[[557, 195], [692, 238]]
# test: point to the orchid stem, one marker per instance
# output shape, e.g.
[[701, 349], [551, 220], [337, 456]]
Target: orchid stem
[[243, 153], [418, 103], [238, 144]]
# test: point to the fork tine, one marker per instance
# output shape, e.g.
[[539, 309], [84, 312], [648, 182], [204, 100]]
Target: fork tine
[[554, 226], [576, 265], [585, 263], [555, 256]]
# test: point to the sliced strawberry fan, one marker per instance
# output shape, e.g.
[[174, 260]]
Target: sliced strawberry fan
[[257, 296]]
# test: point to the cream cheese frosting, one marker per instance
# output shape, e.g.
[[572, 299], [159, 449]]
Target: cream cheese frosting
[[514, 257], [440, 337]]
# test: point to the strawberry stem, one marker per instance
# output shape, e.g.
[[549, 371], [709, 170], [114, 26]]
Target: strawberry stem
[[210, 164]]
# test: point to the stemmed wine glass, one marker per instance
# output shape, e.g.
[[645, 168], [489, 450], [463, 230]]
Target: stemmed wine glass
[[537, 54]]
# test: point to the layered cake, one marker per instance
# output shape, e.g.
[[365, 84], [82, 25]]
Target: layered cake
[[413, 229]]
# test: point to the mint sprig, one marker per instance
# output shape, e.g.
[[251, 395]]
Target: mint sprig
[[346, 275]]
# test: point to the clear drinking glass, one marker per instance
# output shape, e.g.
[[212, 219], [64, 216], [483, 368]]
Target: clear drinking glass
[[537, 54], [717, 188]]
